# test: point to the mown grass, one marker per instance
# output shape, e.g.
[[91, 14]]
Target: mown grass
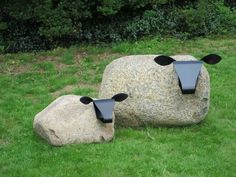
[[29, 82]]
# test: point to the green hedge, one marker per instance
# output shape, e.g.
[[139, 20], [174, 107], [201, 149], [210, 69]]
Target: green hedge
[[35, 25]]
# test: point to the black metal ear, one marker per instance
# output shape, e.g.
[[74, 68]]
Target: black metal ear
[[86, 100], [163, 60], [120, 97], [211, 59]]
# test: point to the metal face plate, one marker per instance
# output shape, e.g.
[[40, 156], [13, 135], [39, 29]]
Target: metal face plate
[[188, 72], [104, 109]]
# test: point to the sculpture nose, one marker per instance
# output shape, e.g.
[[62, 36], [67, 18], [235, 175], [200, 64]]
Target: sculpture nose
[[104, 109], [188, 72]]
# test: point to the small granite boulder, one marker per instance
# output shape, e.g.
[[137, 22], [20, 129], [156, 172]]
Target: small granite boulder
[[66, 120], [155, 97]]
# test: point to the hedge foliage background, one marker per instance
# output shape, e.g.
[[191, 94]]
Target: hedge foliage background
[[44, 24]]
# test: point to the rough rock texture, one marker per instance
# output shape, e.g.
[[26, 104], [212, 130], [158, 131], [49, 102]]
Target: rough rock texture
[[66, 120], [155, 97]]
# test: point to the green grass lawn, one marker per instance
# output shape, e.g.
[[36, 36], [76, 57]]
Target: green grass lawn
[[29, 82]]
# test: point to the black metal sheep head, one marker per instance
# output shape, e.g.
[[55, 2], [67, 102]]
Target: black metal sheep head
[[187, 71], [104, 107]]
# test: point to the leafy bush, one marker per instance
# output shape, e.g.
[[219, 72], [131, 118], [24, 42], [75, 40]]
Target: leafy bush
[[227, 19], [35, 25], [151, 22], [205, 19]]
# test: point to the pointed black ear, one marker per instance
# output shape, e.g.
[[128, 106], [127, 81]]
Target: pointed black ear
[[120, 97], [163, 60], [211, 59], [86, 100]]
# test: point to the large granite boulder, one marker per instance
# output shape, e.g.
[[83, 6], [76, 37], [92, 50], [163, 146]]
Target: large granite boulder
[[155, 97], [66, 120]]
